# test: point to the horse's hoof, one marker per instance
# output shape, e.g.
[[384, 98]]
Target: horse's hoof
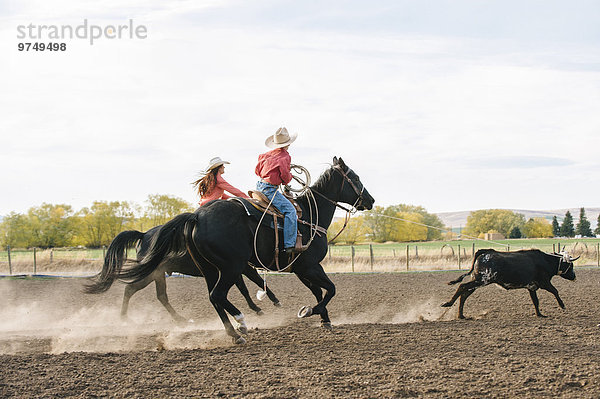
[[305, 311], [277, 304], [260, 312], [242, 330], [260, 295], [239, 340], [326, 325]]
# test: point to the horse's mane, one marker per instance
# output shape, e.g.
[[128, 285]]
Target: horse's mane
[[321, 182]]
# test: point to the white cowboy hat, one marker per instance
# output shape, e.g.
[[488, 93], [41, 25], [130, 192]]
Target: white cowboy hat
[[214, 163], [281, 138]]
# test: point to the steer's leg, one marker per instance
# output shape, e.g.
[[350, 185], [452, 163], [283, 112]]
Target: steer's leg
[[536, 303], [550, 288], [461, 303], [469, 286]]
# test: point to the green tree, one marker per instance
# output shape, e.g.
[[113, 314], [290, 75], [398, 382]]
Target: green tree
[[500, 220], [515, 233], [597, 230], [162, 208], [555, 227], [537, 228], [14, 231], [566, 228], [583, 226]]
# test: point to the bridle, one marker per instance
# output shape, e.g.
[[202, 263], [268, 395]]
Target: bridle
[[345, 179], [353, 209]]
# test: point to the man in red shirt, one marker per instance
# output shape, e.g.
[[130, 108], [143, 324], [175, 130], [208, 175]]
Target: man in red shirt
[[273, 168]]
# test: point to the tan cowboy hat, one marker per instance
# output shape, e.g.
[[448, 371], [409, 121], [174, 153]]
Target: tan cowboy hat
[[281, 138], [214, 163]]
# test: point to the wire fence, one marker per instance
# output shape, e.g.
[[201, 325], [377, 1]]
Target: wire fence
[[389, 257]]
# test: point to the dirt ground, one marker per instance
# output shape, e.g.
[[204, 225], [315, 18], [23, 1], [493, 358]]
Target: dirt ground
[[390, 339]]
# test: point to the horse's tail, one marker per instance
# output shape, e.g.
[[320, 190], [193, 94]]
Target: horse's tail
[[113, 262], [460, 278], [168, 241]]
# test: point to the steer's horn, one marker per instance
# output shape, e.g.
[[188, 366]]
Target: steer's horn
[[574, 259]]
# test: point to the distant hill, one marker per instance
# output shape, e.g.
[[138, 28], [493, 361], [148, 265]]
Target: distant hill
[[459, 219]]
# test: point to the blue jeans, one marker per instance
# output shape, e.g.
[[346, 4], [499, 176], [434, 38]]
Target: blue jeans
[[290, 222]]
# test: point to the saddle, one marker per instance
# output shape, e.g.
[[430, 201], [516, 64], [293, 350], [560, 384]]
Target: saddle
[[261, 202]]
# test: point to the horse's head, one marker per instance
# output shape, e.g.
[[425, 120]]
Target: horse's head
[[352, 191]]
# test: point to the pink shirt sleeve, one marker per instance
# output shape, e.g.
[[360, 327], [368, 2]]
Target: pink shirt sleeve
[[223, 185]]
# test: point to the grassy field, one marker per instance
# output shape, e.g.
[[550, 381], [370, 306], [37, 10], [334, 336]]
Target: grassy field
[[433, 255]]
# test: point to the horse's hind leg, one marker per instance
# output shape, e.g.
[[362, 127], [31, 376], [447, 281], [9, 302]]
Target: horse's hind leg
[[131, 289], [161, 294], [244, 290], [218, 286]]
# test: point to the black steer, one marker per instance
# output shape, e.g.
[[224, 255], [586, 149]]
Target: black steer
[[531, 269]]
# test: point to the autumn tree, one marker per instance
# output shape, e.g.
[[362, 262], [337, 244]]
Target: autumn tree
[[537, 228], [50, 225], [14, 231], [486, 220], [100, 223], [162, 208], [401, 223], [354, 232]]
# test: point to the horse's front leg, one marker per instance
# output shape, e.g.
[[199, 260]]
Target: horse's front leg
[[317, 280]]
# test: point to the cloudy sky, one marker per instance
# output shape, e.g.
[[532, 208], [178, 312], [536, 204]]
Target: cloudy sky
[[452, 105]]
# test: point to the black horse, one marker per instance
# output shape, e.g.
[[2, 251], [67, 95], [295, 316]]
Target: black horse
[[220, 237], [176, 264]]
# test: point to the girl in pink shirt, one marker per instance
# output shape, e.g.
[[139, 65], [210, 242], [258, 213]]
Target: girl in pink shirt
[[212, 186]]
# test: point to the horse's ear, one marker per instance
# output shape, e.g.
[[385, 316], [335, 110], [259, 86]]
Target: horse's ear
[[341, 163], [335, 160]]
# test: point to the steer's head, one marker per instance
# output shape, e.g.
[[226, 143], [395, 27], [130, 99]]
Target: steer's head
[[565, 265]]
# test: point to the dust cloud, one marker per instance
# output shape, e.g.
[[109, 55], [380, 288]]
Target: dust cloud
[[429, 310]]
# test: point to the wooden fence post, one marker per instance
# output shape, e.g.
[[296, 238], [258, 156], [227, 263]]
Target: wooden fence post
[[51, 254], [104, 252], [407, 257], [9, 262], [458, 256], [473, 250], [352, 248], [34, 261], [598, 253], [329, 251], [416, 252], [371, 253]]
